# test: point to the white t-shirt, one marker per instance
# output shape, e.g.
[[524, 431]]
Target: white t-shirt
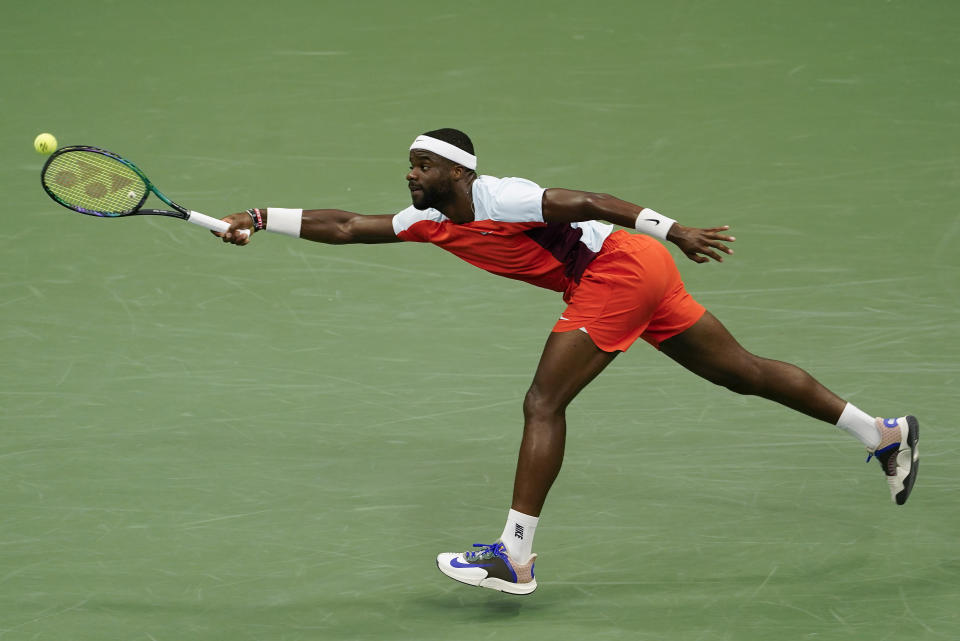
[[508, 235], [508, 200]]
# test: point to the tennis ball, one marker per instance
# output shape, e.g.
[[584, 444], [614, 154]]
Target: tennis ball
[[45, 143]]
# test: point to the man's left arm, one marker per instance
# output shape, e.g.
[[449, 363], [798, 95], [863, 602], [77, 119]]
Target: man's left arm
[[570, 206]]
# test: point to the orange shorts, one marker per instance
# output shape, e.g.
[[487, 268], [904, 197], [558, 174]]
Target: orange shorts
[[631, 289]]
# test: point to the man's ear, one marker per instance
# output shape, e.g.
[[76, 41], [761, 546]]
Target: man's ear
[[459, 171]]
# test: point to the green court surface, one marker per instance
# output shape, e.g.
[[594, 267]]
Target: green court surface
[[205, 442]]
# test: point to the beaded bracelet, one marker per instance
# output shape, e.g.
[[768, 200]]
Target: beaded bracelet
[[257, 218]]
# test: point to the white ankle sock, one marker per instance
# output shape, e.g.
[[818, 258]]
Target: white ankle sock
[[517, 535], [860, 425]]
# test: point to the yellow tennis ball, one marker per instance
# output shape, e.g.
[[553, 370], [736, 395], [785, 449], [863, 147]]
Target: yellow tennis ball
[[45, 143]]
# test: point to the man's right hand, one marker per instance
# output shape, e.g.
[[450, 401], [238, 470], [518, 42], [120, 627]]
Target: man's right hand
[[239, 221]]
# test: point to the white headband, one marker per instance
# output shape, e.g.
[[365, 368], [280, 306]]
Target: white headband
[[445, 149]]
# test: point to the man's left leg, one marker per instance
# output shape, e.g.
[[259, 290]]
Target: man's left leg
[[570, 360], [709, 350]]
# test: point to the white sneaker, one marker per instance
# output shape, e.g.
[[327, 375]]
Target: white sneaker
[[489, 567], [898, 454]]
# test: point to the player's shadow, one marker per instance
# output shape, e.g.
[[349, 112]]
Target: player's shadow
[[480, 604]]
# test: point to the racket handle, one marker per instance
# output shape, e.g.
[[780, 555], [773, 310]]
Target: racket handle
[[213, 224]]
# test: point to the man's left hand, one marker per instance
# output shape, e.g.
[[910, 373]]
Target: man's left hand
[[700, 245]]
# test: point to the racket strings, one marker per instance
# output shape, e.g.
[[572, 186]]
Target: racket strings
[[94, 183]]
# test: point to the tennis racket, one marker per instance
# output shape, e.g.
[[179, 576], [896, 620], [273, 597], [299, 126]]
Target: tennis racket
[[98, 182]]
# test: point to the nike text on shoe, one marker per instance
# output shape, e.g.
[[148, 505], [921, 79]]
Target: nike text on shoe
[[898, 454], [489, 566]]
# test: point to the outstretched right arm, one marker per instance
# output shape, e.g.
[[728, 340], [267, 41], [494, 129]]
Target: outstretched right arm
[[331, 226]]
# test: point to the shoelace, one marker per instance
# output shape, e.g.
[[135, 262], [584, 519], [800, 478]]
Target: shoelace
[[486, 551], [876, 453]]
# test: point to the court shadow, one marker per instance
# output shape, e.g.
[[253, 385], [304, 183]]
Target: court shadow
[[479, 604]]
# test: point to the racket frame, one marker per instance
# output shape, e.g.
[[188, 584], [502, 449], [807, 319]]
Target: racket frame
[[208, 222]]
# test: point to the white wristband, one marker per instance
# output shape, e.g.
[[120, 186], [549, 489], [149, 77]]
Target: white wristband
[[649, 222], [284, 221]]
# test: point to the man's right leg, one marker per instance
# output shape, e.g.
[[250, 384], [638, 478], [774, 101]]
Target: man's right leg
[[570, 360], [710, 351]]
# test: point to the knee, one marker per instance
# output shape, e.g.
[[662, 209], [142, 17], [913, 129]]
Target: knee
[[538, 404]]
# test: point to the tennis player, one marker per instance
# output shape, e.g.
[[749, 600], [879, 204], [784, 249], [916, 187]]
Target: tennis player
[[618, 287]]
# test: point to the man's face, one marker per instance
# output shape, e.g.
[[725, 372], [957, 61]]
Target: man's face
[[430, 180]]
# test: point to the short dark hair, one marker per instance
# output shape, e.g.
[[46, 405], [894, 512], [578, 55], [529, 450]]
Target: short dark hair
[[453, 136]]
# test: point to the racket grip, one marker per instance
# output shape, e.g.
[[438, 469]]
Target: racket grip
[[213, 224]]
